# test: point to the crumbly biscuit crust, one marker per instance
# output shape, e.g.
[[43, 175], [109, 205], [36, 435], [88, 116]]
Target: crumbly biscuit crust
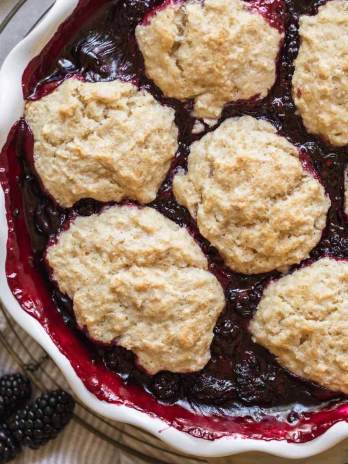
[[215, 52], [107, 141], [320, 81], [138, 278], [251, 197], [302, 319]]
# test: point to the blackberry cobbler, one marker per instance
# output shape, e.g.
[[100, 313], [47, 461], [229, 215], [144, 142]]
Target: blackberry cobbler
[[176, 208]]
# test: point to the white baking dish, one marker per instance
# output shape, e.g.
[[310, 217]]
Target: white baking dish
[[11, 109]]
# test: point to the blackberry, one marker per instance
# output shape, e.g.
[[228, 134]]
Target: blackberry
[[42, 420], [135, 10], [166, 386], [119, 360], [9, 447], [15, 391], [48, 218], [172, 210], [228, 335], [65, 308], [87, 207], [254, 380], [94, 54], [210, 390], [244, 301]]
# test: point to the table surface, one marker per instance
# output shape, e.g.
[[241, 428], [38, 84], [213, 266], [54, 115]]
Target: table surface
[[80, 453]]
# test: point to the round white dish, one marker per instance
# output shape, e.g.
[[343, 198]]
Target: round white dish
[[12, 104]]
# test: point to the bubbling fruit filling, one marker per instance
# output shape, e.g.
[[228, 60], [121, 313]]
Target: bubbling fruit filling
[[241, 378]]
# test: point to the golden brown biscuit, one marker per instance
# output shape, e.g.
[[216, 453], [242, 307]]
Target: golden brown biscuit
[[214, 51], [138, 278], [302, 319], [320, 82], [106, 141], [251, 197]]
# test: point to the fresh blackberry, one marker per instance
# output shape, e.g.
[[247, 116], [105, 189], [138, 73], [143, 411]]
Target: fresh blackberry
[[9, 447], [15, 391], [43, 419]]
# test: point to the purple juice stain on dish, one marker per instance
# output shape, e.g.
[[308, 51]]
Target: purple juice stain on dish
[[242, 380]]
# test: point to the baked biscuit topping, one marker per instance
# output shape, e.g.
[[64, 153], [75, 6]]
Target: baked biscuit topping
[[214, 52], [302, 319], [137, 278], [107, 141], [251, 197], [320, 82]]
